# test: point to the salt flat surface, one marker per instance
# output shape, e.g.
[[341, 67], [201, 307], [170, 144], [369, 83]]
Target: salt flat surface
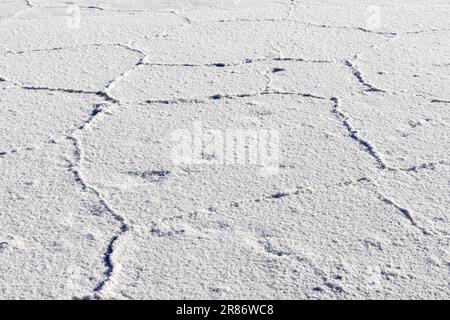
[[224, 149]]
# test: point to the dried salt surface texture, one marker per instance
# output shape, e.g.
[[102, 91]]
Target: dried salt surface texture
[[190, 10], [53, 232], [88, 68], [386, 17], [11, 8], [215, 42], [129, 164], [145, 5], [409, 131], [73, 30], [413, 64], [322, 79], [48, 117], [155, 82], [423, 192], [262, 259], [393, 3], [146, 171], [234, 41], [259, 10]]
